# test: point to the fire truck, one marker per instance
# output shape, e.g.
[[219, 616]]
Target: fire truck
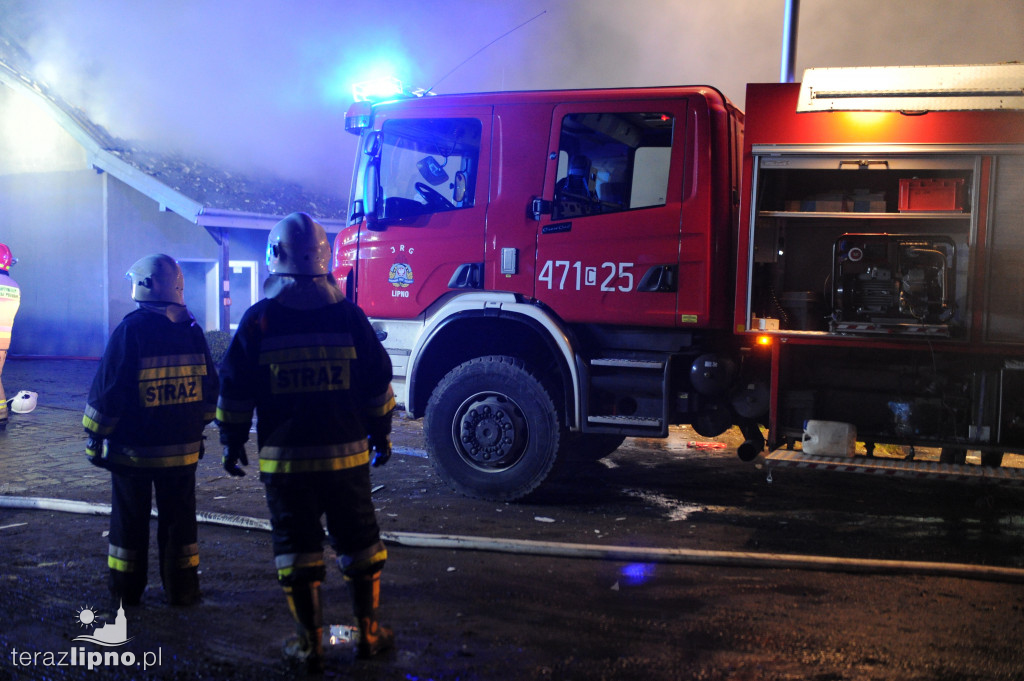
[[554, 271]]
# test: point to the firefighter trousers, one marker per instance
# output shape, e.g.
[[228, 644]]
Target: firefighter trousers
[[296, 506], [177, 545]]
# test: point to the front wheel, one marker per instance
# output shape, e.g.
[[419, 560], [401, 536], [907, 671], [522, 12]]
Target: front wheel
[[492, 429]]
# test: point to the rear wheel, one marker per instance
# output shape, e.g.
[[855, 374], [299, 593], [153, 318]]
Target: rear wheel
[[492, 429]]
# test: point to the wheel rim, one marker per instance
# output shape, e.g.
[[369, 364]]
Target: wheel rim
[[489, 432]]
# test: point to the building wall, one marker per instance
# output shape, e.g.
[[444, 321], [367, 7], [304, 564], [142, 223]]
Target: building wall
[[136, 227], [51, 216], [248, 246], [53, 224]]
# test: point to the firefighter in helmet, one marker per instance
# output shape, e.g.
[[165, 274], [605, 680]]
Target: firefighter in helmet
[[309, 363], [154, 392], [10, 299]]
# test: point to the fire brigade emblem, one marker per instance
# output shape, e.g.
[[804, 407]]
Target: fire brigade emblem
[[400, 275]]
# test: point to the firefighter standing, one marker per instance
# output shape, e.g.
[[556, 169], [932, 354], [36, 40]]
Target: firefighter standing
[[154, 392], [310, 364], [10, 299]]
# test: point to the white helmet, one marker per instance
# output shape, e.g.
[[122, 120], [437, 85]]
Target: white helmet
[[24, 402], [157, 279], [298, 245]]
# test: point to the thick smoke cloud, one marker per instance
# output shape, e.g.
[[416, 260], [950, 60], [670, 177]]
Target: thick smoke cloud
[[263, 84]]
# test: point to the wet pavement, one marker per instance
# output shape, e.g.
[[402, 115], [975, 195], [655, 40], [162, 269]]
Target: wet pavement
[[494, 616]]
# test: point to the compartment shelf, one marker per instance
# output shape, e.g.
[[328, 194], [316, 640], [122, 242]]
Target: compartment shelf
[[848, 215]]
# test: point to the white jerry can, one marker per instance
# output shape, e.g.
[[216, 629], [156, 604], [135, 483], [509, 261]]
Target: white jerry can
[[829, 438]]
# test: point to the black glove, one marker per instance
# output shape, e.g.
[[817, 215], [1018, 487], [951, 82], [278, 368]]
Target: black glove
[[233, 455], [382, 447], [94, 451]]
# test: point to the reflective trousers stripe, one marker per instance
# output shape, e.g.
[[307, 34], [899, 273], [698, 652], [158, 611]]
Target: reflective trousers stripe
[[126, 560], [288, 563]]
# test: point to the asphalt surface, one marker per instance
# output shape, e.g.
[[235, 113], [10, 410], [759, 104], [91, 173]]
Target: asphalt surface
[[493, 616]]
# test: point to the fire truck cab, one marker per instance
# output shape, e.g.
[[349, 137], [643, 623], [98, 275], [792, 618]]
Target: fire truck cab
[[550, 272]]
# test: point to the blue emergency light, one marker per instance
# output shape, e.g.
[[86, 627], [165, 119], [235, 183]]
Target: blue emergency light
[[381, 89]]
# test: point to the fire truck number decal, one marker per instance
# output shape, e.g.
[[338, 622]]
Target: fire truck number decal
[[563, 274]]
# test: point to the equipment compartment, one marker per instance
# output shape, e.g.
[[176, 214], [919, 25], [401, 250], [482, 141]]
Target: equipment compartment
[[833, 250]]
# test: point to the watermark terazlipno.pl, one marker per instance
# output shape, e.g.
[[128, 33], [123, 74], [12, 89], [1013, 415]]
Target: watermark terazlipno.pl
[[109, 634]]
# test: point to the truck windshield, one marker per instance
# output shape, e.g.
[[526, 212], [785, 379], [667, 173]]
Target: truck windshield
[[424, 165]]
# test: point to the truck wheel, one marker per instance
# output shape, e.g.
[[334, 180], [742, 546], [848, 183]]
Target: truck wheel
[[492, 429]]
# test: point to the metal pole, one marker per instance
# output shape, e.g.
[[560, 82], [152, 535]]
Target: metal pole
[[789, 26]]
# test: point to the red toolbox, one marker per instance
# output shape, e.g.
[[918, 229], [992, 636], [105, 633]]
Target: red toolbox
[[935, 194]]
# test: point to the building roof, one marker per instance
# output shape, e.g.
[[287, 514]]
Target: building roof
[[203, 193]]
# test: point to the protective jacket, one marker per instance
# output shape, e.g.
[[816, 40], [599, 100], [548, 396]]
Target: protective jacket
[[154, 392], [319, 379], [10, 299]]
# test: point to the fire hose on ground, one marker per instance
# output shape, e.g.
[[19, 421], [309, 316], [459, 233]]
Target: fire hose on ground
[[628, 554]]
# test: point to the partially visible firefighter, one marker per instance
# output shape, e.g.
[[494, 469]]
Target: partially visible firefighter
[[309, 363], [154, 392], [10, 299]]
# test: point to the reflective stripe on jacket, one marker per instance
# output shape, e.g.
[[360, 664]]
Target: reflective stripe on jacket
[[10, 299], [319, 381], [154, 392]]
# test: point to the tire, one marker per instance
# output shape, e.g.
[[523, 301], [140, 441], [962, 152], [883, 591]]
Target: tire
[[492, 429]]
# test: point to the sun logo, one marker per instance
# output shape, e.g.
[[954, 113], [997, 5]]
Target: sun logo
[[107, 634], [86, 617]]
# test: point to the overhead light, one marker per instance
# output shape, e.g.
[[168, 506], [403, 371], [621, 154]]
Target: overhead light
[[972, 87], [381, 89]]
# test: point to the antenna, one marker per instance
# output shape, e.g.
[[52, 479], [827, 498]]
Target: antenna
[[459, 65]]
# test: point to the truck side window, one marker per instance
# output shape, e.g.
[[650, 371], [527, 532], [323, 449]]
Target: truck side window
[[611, 162], [428, 165]]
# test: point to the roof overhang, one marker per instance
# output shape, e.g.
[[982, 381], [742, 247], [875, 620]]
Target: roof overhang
[[216, 218], [973, 87], [100, 158]]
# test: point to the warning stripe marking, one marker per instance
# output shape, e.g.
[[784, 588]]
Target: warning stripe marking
[[893, 467]]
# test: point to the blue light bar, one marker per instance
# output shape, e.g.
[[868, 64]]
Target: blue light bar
[[377, 89]]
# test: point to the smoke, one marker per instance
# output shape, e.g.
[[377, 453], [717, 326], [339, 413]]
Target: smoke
[[264, 84]]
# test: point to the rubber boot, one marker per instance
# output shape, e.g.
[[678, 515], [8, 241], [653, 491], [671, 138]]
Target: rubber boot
[[182, 586], [308, 645], [373, 638], [126, 587]]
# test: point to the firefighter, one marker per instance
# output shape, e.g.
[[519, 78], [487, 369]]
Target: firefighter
[[309, 363], [10, 298], [154, 392]]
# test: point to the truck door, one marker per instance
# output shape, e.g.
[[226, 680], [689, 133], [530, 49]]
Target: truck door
[[423, 235], [608, 250]]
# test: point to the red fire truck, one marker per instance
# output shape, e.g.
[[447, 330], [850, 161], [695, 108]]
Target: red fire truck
[[554, 271]]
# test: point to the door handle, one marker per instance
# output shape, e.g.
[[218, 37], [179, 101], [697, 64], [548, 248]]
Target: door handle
[[658, 279]]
